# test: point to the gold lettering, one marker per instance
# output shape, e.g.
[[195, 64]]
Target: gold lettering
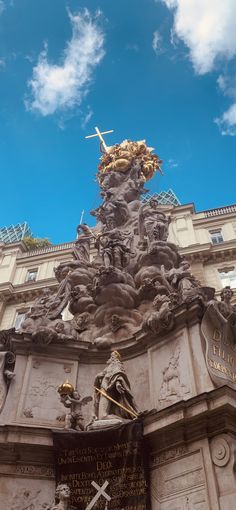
[[217, 335], [104, 465]]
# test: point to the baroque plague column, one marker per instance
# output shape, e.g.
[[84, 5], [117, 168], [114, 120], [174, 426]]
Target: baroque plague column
[[167, 345]]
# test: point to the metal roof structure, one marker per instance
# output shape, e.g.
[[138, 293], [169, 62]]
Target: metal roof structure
[[164, 197], [14, 233]]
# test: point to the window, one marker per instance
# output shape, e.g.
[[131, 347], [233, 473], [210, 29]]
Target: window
[[228, 277], [20, 317], [31, 275], [216, 236]]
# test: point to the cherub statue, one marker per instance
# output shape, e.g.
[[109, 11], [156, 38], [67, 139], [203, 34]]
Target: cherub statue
[[71, 399]]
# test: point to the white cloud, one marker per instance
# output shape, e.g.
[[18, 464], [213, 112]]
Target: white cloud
[[227, 122], [157, 42], [227, 85], [87, 118], [2, 6], [207, 27], [59, 87]]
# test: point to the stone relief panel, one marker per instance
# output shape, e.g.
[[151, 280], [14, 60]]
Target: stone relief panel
[[39, 402], [179, 484], [171, 377], [26, 494]]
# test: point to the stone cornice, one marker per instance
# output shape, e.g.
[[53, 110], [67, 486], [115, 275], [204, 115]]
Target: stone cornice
[[205, 415], [210, 252], [26, 291]]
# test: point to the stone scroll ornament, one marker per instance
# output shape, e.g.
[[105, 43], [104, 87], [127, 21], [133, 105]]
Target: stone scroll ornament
[[219, 331], [7, 362], [137, 279]]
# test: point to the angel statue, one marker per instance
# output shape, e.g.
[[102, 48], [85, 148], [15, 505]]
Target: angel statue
[[71, 399]]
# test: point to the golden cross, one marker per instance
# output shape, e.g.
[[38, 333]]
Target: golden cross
[[99, 134]]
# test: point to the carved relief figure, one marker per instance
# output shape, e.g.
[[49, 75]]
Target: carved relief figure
[[161, 317], [113, 212], [172, 387], [223, 313], [153, 223], [183, 281], [82, 244], [113, 396], [27, 499], [115, 248]]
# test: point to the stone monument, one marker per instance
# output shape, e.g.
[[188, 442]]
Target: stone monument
[[169, 343]]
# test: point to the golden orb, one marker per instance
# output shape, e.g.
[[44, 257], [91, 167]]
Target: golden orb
[[66, 388]]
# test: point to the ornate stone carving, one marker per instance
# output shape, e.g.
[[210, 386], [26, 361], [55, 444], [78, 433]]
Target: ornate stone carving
[[27, 499], [183, 281], [219, 330], [28, 413], [7, 362], [113, 212], [113, 399], [82, 244], [110, 297], [153, 224], [115, 248], [161, 317], [220, 451]]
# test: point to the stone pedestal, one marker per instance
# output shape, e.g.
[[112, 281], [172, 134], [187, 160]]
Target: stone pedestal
[[189, 430]]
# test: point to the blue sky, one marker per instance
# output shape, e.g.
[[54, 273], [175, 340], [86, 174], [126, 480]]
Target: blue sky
[[162, 70]]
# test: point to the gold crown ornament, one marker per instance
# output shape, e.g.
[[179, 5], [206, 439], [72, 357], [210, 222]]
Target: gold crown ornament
[[117, 354]]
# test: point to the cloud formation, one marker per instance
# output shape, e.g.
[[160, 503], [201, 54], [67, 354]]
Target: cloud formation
[[157, 42], [207, 27], [59, 87]]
